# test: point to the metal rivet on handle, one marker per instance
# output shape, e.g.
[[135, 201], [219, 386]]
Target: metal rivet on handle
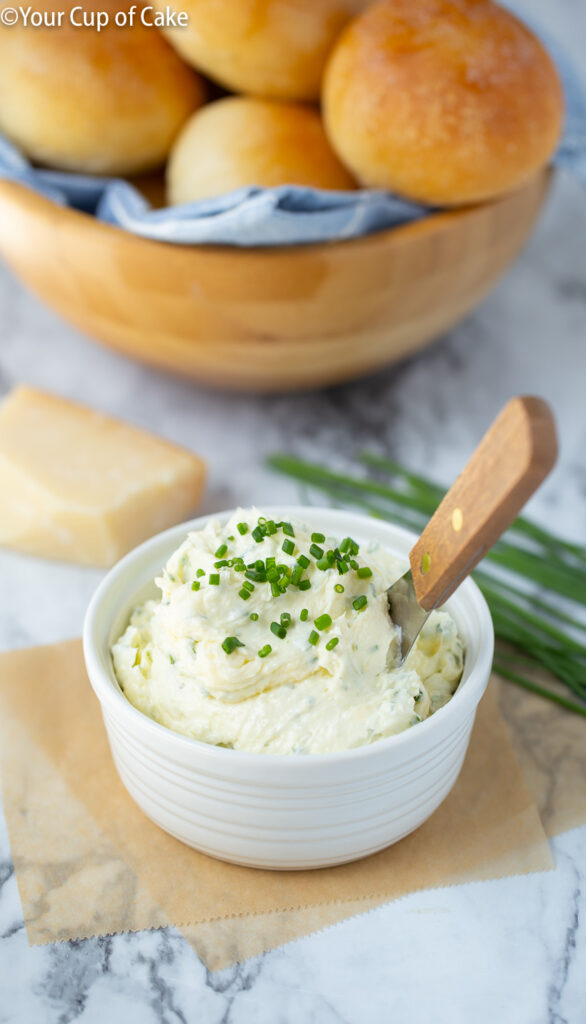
[[425, 563]]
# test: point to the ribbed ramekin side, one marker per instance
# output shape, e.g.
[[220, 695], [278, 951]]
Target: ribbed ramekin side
[[232, 791], [305, 832]]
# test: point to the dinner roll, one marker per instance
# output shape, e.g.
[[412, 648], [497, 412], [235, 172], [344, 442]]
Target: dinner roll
[[244, 141], [442, 101], [108, 102], [273, 48]]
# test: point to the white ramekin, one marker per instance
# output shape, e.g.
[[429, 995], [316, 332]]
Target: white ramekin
[[283, 811]]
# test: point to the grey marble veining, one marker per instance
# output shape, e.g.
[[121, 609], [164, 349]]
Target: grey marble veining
[[512, 950]]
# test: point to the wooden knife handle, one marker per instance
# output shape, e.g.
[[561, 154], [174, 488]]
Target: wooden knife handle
[[513, 458]]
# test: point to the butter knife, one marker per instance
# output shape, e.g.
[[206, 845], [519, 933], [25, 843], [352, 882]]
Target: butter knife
[[512, 460]]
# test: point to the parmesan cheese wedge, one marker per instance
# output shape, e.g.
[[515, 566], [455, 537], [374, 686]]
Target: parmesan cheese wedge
[[82, 487]]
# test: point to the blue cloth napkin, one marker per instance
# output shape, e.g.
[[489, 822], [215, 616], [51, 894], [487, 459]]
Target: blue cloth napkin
[[255, 216]]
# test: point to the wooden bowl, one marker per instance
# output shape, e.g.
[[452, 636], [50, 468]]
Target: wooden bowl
[[266, 319]]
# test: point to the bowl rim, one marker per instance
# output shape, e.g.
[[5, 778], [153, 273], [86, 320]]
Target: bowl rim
[[436, 220], [107, 689]]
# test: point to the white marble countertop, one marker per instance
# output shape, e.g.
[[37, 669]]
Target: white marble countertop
[[512, 950]]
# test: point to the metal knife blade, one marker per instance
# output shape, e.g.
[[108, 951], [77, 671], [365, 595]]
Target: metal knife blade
[[406, 612]]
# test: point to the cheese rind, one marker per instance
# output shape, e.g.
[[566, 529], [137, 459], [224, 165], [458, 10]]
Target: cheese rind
[[83, 487]]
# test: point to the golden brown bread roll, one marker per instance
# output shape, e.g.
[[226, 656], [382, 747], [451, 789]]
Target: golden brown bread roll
[[241, 141], [108, 102], [273, 48], [443, 101]]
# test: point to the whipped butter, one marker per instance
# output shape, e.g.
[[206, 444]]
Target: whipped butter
[[271, 637]]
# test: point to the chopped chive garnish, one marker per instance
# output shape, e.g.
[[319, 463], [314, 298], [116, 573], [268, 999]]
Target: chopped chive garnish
[[231, 643], [360, 602], [316, 551], [253, 616], [200, 572], [305, 585], [323, 621], [244, 594], [278, 630], [303, 561], [296, 575], [271, 527], [221, 551], [318, 538], [231, 537], [288, 547], [247, 585], [270, 561], [242, 528], [275, 590], [272, 573], [331, 643], [258, 534], [221, 563], [171, 659], [323, 564], [264, 651], [339, 588], [304, 614], [214, 579], [195, 585], [313, 638], [343, 567], [363, 572], [349, 546], [285, 619], [288, 529], [353, 563]]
